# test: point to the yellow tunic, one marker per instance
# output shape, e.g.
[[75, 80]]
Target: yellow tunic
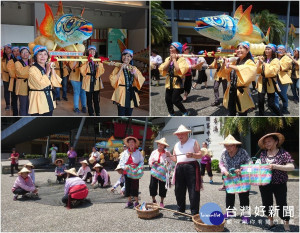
[[183, 67], [12, 74], [246, 73], [285, 66], [4, 71], [65, 68], [214, 65], [84, 69], [22, 79], [297, 69], [75, 71], [271, 71], [119, 95], [37, 99]]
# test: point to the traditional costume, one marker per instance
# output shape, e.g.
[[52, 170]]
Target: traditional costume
[[295, 77], [5, 78], [60, 173], [102, 177], [121, 181], [85, 172], [23, 185]]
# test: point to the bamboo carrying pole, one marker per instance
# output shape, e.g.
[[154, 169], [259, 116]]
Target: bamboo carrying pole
[[188, 215]]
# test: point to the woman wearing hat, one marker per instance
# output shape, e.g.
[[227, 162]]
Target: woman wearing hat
[[13, 78], [187, 170], [295, 75], [60, 173], [240, 74], [7, 55], [126, 80], [76, 81], [175, 69], [75, 189], [280, 162], [84, 171], [284, 76], [121, 181], [158, 172], [42, 79], [101, 176], [231, 160], [30, 167], [202, 77], [22, 72], [268, 67], [23, 184], [131, 158], [91, 82]]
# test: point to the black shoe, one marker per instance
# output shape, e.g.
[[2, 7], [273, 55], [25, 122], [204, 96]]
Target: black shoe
[[57, 99], [7, 107], [285, 111], [65, 98], [83, 110], [76, 110], [215, 104]]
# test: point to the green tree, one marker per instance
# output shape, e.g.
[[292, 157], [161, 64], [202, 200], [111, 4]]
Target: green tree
[[258, 125], [264, 20], [159, 23]]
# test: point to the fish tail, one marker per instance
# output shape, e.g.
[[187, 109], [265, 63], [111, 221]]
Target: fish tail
[[267, 38], [37, 28], [47, 25]]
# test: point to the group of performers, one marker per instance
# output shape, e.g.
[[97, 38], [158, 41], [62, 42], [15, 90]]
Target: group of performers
[[36, 82], [186, 176], [276, 69]]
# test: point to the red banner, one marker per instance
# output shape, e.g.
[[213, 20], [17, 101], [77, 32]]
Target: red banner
[[137, 131]]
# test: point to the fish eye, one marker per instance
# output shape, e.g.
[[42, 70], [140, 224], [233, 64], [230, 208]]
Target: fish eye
[[218, 20], [70, 23]]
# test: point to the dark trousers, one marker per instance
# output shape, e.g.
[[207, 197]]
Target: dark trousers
[[23, 105], [173, 97], [154, 182], [14, 103], [62, 177], [71, 162], [208, 168], [12, 166], [186, 180], [295, 90], [64, 84], [122, 111], [232, 111], [20, 191], [216, 88], [271, 103], [279, 191], [93, 97], [89, 175], [155, 74], [6, 93], [230, 199], [131, 187], [44, 114], [187, 84]]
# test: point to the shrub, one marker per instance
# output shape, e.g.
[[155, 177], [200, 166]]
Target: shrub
[[215, 165], [60, 155], [29, 156]]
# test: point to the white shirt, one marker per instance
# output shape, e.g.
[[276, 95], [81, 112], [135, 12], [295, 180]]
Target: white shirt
[[83, 172], [96, 155], [157, 59], [53, 150], [201, 59], [183, 149]]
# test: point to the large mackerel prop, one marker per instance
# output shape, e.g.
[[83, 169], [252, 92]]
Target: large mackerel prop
[[231, 31]]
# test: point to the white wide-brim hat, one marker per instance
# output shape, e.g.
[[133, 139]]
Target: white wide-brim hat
[[162, 141], [182, 129], [230, 140]]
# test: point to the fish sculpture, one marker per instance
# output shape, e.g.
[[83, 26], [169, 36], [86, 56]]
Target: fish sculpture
[[231, 31]]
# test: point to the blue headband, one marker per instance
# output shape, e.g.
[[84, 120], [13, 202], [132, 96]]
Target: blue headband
[[7, 45], [129, 51], [281, 46], [297, 49], [201, 52], [15, 47], [92, 47], [24, 47], [178, 46], [219, 48], [38, 48], [271, 46], [246, 44]]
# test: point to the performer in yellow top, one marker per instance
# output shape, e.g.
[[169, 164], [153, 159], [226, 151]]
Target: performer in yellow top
[[7, 55], [284, 76], [76, 81], [268, 67], [174, 68], [92, 82], [61, 68], [218, 80], [22, 72], [240, 74], [295, 75], [42, 79], [126, 83], [13, 78]]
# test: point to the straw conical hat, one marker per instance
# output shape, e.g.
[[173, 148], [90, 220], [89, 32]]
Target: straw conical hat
[[56, 161], [24, 170], [131, 137], [230, 140], [162, 141], [118, 167], [182, 129], [72, 171], [29, 165], [92, 159], [278, 135], [97, 165], [84, 161]]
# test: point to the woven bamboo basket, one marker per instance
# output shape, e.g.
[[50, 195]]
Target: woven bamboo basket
[[202, 227], [147, 214]]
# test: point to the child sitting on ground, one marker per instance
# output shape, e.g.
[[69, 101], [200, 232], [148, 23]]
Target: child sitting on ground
[[23, 184], [60, 173], [84, 171], [101, 176], [121, 181]]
